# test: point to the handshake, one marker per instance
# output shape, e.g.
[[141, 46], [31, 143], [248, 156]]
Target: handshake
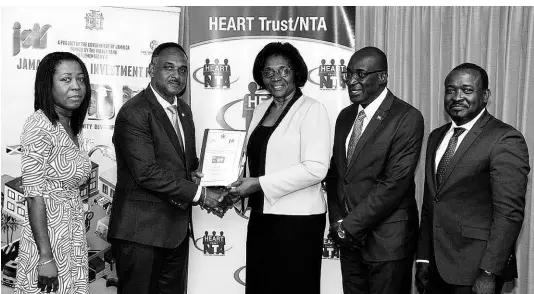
[[217, 200]]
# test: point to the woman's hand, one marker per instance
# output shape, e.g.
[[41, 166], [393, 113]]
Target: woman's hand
[[196, 175], [245, 187], [47, 277]]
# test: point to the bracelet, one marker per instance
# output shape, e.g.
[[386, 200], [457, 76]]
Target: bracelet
[[46, 262]]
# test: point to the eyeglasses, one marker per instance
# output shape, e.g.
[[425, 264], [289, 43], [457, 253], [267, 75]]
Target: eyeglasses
[[282, 71], [359, 74]]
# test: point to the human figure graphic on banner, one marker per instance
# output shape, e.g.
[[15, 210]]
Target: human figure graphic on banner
[[208, 74], [324, 78], [206, 242], [370, 184], [53, 245], [150, 219], [226, 73], [221, 242], [341, 73], [279, 172], [474, 198], [217, 74], [249, 103], [333, 74]]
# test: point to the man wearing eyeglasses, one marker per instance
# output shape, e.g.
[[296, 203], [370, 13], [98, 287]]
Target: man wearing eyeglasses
[[154, 140], [475, 183], [370, 184]]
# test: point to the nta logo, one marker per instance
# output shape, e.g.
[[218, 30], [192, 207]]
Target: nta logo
[[330, 249], [35, 37], [213, 245], [250, 101], [216, 76], [330, 76]]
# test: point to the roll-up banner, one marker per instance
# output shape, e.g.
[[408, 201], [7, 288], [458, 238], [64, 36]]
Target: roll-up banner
[[116, 50], [224, 43]]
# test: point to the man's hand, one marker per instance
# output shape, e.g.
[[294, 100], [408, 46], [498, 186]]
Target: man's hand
[[485, 283], [349, 240], [421, 276], [214, 201]]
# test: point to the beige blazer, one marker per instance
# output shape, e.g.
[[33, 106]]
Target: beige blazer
[[297, 158]]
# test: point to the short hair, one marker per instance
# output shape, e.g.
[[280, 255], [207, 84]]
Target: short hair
[[472, 66], [285, 50], [378, 54], [44, 82], [164, 46]]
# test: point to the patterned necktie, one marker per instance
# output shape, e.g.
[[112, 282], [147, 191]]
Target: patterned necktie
[[356, 134], [174, 121], [446, 159]]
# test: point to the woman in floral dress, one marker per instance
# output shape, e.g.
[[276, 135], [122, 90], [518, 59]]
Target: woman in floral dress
[[53, 246]]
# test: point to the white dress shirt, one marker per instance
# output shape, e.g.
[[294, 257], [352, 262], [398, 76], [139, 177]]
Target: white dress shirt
[[165, 104], [445, 142], [370, 111]]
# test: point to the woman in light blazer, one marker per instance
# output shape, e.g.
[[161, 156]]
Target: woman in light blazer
[[288, 153]]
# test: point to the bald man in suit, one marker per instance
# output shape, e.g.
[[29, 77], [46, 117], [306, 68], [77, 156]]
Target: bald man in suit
[[370, 183]]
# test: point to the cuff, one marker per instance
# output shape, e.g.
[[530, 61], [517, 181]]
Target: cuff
[[422, 261], [197, 195]]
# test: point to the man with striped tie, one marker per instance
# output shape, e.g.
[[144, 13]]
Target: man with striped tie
[[370, 183], [474, 199], [154, 140]]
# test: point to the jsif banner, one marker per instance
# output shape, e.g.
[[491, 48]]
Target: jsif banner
[[116, 51], [224, 44]]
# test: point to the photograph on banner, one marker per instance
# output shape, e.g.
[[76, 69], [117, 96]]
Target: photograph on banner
[[117, 55]]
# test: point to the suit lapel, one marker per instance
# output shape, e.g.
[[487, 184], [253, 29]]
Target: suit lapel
[[161, 115], [465, 144], [376, 120]]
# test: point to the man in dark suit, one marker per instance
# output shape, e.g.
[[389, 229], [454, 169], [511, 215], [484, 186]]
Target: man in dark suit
[[156, 160], [475, 183], [370, 184]]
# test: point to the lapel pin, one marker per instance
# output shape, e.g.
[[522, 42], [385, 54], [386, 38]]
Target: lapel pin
[[379, 117]]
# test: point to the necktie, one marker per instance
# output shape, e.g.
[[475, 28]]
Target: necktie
[[174, 121], [446, 159], [356, 134]]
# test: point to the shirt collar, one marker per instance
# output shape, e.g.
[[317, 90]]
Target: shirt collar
[[164, 103], [371, 109], [468, 126]]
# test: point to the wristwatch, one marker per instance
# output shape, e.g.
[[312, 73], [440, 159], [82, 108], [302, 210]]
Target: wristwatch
[[487, 273], [341, 233]]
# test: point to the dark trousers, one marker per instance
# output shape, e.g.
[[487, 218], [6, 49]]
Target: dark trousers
[[369, 277], [284, 254], [143, 269], [436, 284]]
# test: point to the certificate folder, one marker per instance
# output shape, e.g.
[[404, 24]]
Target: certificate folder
[[221, 157]]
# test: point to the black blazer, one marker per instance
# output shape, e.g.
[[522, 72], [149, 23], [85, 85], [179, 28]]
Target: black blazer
[[374, 194], [474, 219], [154, 189]]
